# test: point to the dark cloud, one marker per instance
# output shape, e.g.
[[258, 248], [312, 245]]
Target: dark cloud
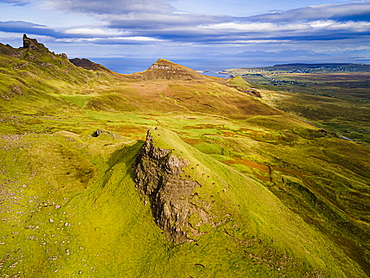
[[16, 2]]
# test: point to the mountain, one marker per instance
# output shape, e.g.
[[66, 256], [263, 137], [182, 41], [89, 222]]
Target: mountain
[[169, 173]]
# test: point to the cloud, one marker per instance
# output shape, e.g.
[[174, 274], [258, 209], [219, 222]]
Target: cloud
[[339, 12], [16, 2], [156, 23], [93, 32], [158, 20], [319, 30], [255, 27], [112, 40], [309, 23], [27, 27], [100, 7]]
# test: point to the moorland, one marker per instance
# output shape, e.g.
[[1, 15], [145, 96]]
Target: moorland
[[170, 173], [332, 96]]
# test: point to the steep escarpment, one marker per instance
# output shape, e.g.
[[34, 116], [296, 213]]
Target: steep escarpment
[[158, 175]]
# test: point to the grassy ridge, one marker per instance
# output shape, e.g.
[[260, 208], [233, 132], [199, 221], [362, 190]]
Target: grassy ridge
[[98, 225], [265, 219]]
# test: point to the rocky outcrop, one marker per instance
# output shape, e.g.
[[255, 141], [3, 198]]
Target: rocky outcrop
[[28, 44], [97, 133], [158, 176], [33, 44], [33, 51]]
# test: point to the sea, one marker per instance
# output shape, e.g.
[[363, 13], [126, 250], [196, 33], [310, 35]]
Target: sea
[[209, 67]]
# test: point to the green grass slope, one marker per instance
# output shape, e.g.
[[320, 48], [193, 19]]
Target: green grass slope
[[75, 211], [250, 216], [33, 80]]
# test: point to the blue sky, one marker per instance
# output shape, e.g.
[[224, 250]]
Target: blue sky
[[264, 30]]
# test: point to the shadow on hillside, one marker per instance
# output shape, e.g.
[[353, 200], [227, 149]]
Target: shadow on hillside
[[127, 155]]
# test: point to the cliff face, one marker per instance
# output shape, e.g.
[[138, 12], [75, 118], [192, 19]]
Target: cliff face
[[33, 44], [158, 175]]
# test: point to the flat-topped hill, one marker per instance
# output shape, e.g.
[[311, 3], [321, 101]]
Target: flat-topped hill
[[164, 69]]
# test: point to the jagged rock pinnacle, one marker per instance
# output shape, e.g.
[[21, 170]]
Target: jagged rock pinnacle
[[158, 176], [33, 44]]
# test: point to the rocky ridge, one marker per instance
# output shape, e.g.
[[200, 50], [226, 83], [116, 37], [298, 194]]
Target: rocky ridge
[[33, 44], [29, 49], [87, 64], [158, 176]]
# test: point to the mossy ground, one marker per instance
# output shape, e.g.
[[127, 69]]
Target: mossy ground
[[289, 199]]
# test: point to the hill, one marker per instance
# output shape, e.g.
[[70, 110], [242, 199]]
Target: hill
[[168, 173], [87, 64], [164, 69]]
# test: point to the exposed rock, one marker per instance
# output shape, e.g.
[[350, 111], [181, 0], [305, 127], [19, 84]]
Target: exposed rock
[[33, 44], [254, 93], [158, 175], [35, 47], [63, 55], [8, 50], [97, 132]]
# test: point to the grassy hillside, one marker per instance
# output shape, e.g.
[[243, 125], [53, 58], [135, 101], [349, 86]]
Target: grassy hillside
[[275, 195]]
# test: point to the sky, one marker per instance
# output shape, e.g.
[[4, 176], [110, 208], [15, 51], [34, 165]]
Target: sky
[[254, 33]]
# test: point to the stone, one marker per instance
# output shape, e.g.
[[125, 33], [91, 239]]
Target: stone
[[97, 132], [33, 44], [158, 176]]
